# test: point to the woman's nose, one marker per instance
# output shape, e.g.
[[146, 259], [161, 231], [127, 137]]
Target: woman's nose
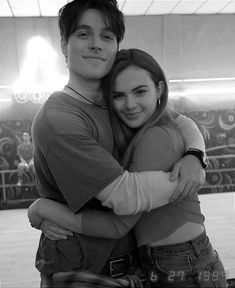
[[130, 103]]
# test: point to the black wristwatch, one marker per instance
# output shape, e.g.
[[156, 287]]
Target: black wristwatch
[[201, 156]]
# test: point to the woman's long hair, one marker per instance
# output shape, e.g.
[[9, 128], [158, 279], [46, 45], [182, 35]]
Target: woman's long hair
[[123, 136]]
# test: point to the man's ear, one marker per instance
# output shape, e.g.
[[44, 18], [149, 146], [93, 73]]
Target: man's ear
[[64, 48]]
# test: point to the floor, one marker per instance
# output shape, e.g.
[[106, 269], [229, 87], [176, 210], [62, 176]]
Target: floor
[[18, 241]]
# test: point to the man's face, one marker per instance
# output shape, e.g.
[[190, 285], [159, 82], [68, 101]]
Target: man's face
[[92, 48]]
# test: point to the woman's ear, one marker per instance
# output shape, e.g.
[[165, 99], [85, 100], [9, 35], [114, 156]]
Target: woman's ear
[[161, 87], [64, 48]]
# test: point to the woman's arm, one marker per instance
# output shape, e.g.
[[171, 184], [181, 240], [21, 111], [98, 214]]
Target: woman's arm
[[89, 222], [107, 224], [56, 212]]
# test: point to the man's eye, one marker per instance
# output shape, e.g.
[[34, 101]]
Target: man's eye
[[82, 34], [109, 36]]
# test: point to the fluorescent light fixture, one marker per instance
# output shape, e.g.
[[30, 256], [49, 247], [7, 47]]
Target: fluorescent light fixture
[[5, 87], [211, 93], [5, 100], [201, 80], [210, 88]]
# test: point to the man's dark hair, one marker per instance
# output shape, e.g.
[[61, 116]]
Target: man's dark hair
[[70, 15]]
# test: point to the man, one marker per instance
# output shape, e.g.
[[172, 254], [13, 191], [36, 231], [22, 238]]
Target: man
[[73, 144], [25, 153]]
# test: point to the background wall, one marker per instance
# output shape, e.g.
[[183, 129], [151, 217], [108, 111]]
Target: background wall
[[187, 46]]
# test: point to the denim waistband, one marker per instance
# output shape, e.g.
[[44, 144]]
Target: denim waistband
[[197, 245]]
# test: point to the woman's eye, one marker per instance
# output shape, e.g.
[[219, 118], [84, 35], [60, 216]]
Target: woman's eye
[[140, 92], [117, 96]]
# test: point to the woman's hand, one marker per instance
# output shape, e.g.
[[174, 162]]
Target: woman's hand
[[49, 228], [33, 214], [191, 177], [53, 231]]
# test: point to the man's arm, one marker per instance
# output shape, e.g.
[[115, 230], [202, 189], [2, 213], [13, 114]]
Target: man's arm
[[190, 131], [189, 169], [132, 193]]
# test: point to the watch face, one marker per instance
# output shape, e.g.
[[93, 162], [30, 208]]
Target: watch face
[[206, 161]]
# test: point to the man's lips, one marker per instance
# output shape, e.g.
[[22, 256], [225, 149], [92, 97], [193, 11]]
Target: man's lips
[[93, 57]]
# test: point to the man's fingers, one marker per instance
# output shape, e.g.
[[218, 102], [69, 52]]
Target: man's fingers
[[186, 191], [175, 172], [194, 189], [178, 190]]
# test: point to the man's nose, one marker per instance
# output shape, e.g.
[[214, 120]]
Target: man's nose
[[95, 43]]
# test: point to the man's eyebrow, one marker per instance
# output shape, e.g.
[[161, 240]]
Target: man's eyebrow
[[83, 26], [87, 27]]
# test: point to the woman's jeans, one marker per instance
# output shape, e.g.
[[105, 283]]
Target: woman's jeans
[[187, 265]]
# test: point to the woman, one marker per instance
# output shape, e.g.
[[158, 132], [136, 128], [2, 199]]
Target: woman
[[173, 247]]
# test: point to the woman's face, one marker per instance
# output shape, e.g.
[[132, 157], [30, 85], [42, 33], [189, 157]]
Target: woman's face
[[135, 96]]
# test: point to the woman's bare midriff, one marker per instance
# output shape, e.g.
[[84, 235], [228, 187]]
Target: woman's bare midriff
[[185, 233]]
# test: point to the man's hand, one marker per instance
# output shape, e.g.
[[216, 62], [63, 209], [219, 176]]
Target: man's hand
[[54, 231], [191, 177]]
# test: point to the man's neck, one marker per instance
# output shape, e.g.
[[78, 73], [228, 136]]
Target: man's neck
[[91, 89]]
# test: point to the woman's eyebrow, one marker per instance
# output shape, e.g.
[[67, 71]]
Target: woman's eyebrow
[[140, 86]]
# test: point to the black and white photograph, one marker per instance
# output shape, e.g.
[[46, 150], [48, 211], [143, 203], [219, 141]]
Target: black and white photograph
[[117, 143]]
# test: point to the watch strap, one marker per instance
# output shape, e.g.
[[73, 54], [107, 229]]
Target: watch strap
[[201, 156]]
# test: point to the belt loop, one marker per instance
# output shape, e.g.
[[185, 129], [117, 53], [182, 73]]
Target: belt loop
[[196, 248], [149, 254]]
